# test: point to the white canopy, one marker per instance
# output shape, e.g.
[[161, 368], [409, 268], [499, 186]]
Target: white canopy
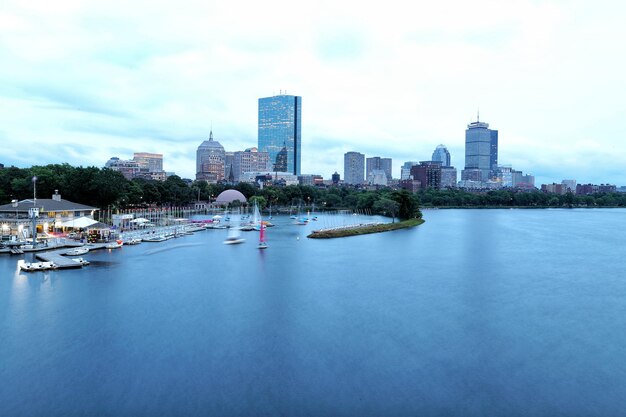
[[79, 223], [140, 220]]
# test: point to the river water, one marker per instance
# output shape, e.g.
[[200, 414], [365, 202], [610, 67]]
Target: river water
[[473, 313]]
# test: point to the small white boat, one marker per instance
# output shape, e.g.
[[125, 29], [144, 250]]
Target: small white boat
[[134, 241], [81, 261], [76, 251], [154, 239], [37, 266], [114, 245], [234, 237]]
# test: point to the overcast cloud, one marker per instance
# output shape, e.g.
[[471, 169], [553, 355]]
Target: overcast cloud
[[81, 81]]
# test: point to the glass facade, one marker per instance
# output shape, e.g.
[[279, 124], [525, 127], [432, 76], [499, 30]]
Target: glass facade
[[280, 131], [442, 155], [481, 149]]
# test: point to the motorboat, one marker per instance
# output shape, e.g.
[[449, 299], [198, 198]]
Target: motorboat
[[114, 245], [81, 261], [37, 266], [133, 241], [76, 251], [157, 238]]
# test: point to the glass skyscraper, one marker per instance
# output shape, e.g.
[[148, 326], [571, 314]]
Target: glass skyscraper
[[442, 155], [280, 131], [481, 150]]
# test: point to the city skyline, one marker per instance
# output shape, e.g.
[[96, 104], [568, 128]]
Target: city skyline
[[85, 82]]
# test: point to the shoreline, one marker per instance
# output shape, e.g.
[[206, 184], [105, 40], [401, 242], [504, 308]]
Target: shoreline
[[365, 230]]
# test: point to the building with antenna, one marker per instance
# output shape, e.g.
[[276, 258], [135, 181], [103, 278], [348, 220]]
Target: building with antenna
[[481, 152], [280, 127]]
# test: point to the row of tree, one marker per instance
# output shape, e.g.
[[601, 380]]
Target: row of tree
[[514, 198], [105, 188]]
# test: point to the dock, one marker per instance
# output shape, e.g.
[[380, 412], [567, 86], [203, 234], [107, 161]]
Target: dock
[[62, 262]]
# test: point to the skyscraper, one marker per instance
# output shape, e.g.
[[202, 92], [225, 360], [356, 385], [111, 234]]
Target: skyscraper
[[442, 155], [210, 160], [378, 163], [481, 152], [280, 131], [405, 170], [353, 168]]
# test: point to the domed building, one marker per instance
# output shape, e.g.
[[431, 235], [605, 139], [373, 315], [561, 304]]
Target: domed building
[[228, 196], [210, 160]]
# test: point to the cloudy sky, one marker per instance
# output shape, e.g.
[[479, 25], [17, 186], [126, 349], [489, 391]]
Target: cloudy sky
[[81, 81]]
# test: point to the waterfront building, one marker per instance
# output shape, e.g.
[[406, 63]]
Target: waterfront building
[[553, 188], [481, 152], [378, 163], [280, 126], [405, 170], [52, 212], [428, 173], [250, 160], [570, 185], [442, 155], [210, 161], [353, 168]]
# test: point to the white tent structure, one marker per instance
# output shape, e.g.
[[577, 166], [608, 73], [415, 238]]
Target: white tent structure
[[78, 223]]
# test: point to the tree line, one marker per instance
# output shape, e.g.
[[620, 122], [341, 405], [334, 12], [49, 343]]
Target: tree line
[[109, 189]]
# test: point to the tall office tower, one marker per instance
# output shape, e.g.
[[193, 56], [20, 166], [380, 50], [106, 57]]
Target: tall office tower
[[442, 155], [481, 151], [210, 161], [280, 125], [378, 163], [405, 170], [353, 168], [153, 162]]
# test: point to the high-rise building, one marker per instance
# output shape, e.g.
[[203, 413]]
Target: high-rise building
[[250, 160], [442, 155], [210, 160], [481, 151], [280, 126], [448, 177], [405, 170], [353, 168], [153, 162], [378, 163], [428, 173], [228, 163]]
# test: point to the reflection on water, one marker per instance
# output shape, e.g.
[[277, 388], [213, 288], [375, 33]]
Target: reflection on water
[[476, 312]]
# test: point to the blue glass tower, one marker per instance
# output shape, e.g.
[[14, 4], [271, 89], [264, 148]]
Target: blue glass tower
[[481, 150], [280, 131]]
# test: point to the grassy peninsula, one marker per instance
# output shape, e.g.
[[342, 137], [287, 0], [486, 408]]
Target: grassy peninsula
[[365, 229]]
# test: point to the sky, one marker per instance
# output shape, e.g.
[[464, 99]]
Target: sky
[[82, 81]]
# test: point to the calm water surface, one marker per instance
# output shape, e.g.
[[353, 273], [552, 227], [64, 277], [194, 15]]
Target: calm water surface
[[476, 312]]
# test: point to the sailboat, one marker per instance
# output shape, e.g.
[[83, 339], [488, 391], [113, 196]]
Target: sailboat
[[262, 242], [234, 236]]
